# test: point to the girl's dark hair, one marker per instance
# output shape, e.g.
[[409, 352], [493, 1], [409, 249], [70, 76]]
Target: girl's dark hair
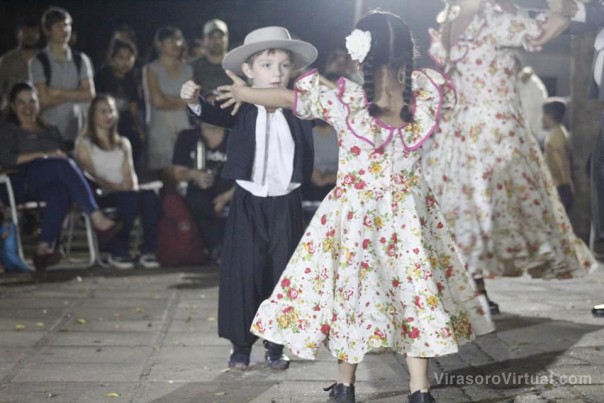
[[392, 45], [9, 114], [91, 133]]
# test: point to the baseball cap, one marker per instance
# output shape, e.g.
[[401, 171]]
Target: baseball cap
[[215, 25]]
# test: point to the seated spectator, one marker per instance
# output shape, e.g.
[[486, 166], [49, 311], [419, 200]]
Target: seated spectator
[[557, 151], [117, 78], [325, 170], [44, 173], [339, 64], [107, 157], [199, 155]]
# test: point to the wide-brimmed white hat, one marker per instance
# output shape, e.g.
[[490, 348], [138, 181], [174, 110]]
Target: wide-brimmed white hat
[[303, 53]]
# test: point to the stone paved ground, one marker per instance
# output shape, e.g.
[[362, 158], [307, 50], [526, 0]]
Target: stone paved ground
[[101, 335]]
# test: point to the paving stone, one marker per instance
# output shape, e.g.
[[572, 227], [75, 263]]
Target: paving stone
[[68, 392]]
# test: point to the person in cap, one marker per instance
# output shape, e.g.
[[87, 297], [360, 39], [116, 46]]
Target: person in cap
[[377, 267], [270, 154], [207, 69]]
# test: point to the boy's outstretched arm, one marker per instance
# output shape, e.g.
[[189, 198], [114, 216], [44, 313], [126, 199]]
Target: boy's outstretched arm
[[189, 92], [239, 92]]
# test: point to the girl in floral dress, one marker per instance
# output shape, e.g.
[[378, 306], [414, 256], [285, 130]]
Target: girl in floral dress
[[377, 267], [486, 168]]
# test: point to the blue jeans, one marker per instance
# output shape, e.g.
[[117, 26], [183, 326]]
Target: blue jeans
[[58, 182], [129, 205]]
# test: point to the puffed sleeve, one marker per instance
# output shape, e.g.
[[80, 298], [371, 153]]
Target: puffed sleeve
[[433, 94], [437, 51], [313, 100], [513, 28]]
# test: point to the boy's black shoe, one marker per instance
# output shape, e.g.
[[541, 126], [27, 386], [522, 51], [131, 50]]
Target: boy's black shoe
[[240, 358]]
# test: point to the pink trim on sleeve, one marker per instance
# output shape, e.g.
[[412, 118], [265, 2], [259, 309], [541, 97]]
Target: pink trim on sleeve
[[436, 117], [296, 90]]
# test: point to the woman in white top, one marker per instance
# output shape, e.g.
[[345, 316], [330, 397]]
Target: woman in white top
[[107, 157]]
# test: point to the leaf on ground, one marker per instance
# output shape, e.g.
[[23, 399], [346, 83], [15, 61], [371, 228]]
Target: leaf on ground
[[81, 321], [112, 394], [20, 327], [40, 324], [139, 310], [211, 319], [219, 393]]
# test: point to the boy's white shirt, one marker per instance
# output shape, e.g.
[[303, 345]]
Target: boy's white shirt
[[274, 155], [273, 158]]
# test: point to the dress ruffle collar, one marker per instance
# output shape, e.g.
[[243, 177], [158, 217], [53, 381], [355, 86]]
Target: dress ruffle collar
[[432, 93]]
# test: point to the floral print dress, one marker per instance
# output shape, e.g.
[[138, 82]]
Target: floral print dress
[[377, 266], [486, 168]]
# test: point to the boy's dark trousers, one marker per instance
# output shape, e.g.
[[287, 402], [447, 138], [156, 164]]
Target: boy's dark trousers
[[260, 236]]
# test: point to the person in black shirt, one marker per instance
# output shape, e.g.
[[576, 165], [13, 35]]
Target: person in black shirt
[[118, 79], [207, 193]]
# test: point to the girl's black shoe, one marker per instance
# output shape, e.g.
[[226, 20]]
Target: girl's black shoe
[[421, 397], [338, 392], [274, 356]]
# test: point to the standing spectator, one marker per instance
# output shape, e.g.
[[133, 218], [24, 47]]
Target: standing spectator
[[557, 151], [207, 69], [117, 78], [107, 156], [166, 114], [325, 169], [207, 192], [533, 94], [14, 64], [63, 77], [43, 172]]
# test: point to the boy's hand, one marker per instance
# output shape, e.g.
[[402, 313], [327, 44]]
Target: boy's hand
[[189, 92], [231, 94]]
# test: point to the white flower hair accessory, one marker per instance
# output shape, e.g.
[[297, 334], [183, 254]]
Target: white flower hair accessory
[[358, 44]]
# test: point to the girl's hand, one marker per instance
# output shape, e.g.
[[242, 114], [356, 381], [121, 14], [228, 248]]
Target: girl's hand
[[189, 92], [231, 94]]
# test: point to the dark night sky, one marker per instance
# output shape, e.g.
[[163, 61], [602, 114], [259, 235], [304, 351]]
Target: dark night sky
[[324, 23]]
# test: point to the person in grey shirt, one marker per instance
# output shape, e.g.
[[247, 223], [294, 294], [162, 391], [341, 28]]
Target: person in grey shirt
[[14, 63], [62, 76]]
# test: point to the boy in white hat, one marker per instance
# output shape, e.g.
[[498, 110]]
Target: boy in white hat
[[270, 154]]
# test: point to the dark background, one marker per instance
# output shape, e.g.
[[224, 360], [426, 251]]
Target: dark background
[[324, 23]]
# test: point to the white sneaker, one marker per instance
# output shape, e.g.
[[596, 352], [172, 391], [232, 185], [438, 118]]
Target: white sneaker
[[149, 261], [122, 263]]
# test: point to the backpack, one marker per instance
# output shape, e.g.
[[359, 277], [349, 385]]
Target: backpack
[[9, 252], [43, 58], [179, 242]]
